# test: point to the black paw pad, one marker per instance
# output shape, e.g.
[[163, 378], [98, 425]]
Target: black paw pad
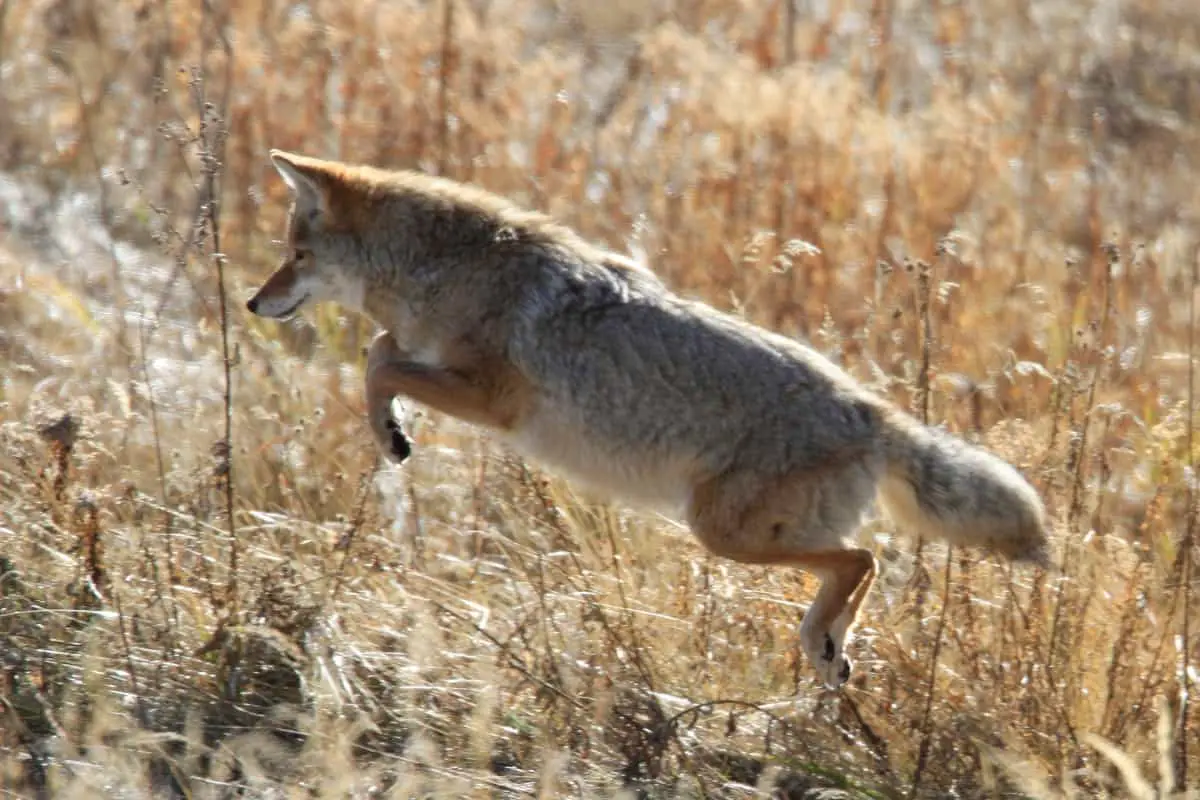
[[830, 650], [401, 446]]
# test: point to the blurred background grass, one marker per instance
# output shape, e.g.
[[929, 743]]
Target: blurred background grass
[[983, 209]]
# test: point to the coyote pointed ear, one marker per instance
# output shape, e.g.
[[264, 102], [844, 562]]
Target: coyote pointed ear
[[306, 177]]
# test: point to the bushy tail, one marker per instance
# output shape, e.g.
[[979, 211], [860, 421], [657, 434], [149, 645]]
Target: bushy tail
[[939, 486]]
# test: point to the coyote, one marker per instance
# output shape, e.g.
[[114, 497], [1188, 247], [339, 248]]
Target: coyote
[[583, 360]]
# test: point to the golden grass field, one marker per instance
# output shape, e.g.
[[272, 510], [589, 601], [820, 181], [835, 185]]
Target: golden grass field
[[210, 586]]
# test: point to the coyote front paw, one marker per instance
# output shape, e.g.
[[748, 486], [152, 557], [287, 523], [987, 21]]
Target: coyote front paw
[[400, 446], [392, 440]]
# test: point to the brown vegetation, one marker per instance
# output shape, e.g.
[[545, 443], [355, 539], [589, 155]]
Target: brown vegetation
[[984, 209]]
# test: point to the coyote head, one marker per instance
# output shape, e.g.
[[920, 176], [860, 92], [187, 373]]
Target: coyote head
[[409, 250], [320, 256]]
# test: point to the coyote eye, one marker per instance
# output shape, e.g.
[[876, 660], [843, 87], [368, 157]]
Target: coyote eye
[[301, 256]]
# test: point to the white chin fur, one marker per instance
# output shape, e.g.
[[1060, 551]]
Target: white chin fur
[[284, 308]]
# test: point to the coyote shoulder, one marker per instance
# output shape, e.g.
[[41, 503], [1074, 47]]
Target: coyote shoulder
[[586, 362]]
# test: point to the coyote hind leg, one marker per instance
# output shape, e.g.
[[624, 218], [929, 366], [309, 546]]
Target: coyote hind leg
[[846, 579], [805, 520]]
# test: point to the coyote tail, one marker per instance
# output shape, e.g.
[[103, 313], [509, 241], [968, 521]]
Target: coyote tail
[[938, 485]]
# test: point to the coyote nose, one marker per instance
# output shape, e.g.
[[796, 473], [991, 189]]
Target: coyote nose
[[252, 304]]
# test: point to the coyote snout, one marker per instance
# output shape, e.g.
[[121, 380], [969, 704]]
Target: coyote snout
[[587, 362], [281, 296]]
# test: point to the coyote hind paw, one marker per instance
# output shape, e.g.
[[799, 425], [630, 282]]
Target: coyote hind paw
[[833, 666]]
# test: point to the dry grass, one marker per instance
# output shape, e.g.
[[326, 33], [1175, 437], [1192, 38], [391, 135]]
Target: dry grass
[[984, 210]]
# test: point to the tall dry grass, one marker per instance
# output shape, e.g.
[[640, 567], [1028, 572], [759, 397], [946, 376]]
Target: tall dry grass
[[985, 210]]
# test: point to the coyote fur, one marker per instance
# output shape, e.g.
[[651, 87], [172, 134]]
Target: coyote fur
[[584, 361]]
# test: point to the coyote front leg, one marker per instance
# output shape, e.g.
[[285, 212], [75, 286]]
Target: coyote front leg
[[461, 394], [384, 352]]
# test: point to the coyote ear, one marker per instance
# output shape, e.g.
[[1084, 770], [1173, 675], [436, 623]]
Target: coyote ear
[[307, 180]]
